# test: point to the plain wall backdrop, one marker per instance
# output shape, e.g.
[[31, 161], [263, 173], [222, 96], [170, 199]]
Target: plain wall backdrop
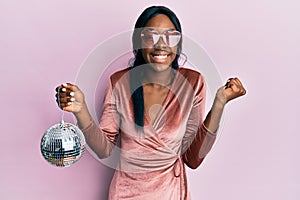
[[44, 43]]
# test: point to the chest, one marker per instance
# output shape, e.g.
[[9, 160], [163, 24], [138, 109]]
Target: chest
[[153, 100]]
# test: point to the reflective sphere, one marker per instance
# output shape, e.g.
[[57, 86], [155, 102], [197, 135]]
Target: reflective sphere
[[63, 144]]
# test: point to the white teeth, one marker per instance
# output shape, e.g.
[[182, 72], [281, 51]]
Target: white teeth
[[161, 56]]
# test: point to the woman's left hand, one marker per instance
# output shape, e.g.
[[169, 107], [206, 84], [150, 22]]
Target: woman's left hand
[[232, 89]]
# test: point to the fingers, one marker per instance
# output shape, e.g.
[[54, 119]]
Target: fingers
[[234, 88], [67, 87], [227, 83], [243, 91], [65, 95], [234, 83], [70, 86]]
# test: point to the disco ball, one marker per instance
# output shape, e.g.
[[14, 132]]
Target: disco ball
[[63, 144]]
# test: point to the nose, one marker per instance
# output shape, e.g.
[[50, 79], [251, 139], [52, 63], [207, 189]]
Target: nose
[[161, 44]]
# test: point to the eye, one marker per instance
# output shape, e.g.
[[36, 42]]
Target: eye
[[173, 37], [148, 36], [172, 33]]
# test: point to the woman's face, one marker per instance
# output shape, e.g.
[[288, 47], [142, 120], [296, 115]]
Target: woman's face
[[160, 55]]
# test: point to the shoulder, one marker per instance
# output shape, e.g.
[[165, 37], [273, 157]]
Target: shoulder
[[193, 76], [117, 76]]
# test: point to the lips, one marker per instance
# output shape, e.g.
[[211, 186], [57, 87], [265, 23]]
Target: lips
[[159, 56]]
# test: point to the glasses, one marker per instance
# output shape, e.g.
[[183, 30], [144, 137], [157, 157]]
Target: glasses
[[170, 37]]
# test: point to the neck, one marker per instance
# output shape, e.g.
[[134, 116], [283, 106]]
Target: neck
[[162, 78]]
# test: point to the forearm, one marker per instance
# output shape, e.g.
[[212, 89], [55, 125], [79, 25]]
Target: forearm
[[231, 90], [101, 139], [94, 136], [214, 116], [205, 137], [83, 117], [199, 148], [97, 140]]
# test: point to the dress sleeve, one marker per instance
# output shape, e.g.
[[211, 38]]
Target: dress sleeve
[[102, 138], [198, 140]]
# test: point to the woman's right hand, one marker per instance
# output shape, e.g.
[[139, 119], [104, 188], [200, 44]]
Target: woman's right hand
[[70, 98]]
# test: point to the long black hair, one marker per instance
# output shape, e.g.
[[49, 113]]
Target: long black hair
[[135, 75]]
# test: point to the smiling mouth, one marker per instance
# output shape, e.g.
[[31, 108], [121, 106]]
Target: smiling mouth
[[160, 56]]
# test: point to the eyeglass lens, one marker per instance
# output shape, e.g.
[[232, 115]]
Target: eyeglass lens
[[170, 37]]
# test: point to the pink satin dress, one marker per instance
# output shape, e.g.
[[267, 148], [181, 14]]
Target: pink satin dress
[[152, 163]]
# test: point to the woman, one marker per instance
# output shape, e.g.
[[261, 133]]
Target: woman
[[157, 109]]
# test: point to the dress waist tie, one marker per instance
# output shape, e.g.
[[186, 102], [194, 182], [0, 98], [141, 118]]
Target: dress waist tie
[[179, 172], [177, 167]]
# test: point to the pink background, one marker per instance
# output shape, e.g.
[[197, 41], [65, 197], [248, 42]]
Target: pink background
[[43, 44]]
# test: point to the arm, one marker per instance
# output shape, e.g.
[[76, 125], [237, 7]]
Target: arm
[[198, 140], [232, 89], [101, 138], [206, 133]]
